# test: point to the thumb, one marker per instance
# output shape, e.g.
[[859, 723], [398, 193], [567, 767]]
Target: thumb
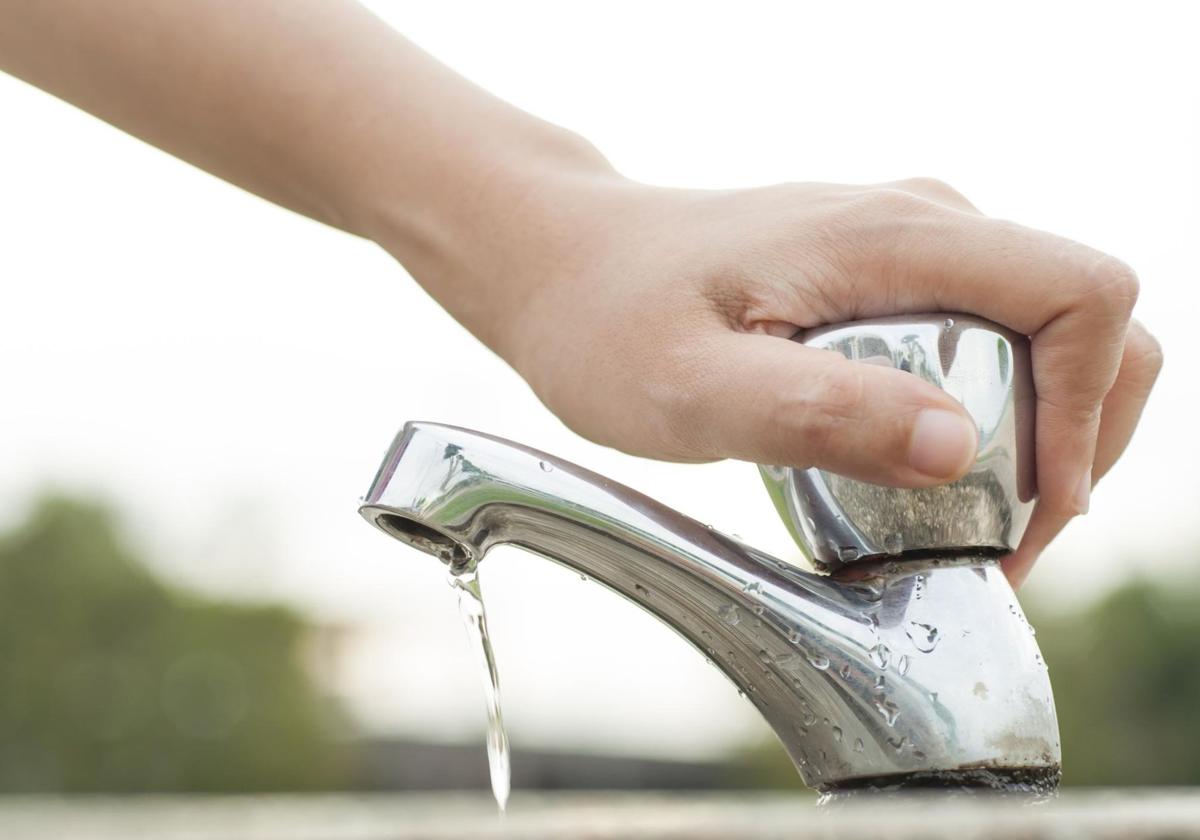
[[779, 402]]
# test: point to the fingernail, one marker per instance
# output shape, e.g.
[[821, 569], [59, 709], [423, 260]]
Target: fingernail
[[942, 444], [1083, 493]]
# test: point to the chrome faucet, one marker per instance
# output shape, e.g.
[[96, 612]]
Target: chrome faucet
[[909, 664]]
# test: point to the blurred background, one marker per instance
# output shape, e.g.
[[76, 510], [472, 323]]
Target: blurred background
[[197, 386]]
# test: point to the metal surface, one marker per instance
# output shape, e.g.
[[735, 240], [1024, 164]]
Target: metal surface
[[885, 670], [837, 521]]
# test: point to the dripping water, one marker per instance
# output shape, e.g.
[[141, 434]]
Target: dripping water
[[470, 607]]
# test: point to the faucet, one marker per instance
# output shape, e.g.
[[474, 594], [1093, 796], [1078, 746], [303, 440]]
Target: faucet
[[905, 661]]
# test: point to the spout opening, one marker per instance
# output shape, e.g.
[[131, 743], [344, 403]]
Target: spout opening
[[424, 538]]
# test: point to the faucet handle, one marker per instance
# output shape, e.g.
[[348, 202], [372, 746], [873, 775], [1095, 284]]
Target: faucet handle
[[837, 521]]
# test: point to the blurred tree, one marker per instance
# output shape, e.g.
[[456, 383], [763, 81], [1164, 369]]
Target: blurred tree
[[110, 681], [1126, 675]]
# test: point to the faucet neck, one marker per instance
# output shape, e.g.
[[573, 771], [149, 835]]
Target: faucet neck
[[861, 677]]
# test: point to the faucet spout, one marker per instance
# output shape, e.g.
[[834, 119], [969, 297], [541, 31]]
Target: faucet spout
[[914, 672]]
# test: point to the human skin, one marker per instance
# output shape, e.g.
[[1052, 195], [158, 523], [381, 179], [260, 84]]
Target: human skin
[[652, 320]]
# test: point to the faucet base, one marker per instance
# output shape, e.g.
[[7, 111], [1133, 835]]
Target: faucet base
[[1033, 783]]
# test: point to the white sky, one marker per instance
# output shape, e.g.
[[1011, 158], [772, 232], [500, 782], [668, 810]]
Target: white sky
[[230, 373]]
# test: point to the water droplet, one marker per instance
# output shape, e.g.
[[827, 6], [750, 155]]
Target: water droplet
[[837, 734], [858, 744], [704, 634], [918, 754], [824, 755], [741, 693], [794, 637], [584, 578], [894, 543], [801, 730], [948, 324], [546, 467], [729, 614], [847, 554], [752, 588], [641, 590], [924, 636], [816, 660], [933, 696], [870, 589], [897, 743], [809, 718], [880, 654], [708, 661], [845, 671], [888, 709], [880, 682], [764, 657], [758, 609], [902, 665]]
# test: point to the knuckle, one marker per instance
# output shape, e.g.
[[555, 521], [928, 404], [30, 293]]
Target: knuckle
[[1113, 284], [683, 396], [925, 185], [819, 414], [1143, 353], [894, 202]]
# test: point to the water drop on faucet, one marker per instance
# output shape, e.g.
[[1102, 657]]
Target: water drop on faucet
[[729, 614], [816, 660], [888, 709], [924, 636]]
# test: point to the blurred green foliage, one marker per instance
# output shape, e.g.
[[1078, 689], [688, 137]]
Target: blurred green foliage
[[111, 681], [1126, 676]]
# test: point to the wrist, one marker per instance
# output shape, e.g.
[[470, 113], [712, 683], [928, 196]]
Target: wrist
[[485, 231]]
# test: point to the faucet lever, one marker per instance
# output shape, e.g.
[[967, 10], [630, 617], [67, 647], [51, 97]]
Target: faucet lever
[[838, 521]]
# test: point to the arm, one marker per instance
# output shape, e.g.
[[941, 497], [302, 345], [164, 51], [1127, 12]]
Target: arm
[[647, 319]]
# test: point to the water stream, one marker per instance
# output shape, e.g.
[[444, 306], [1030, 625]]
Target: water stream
[[470, 607]]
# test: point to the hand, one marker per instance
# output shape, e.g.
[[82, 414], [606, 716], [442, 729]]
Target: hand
[[660, 324], [651, 320]]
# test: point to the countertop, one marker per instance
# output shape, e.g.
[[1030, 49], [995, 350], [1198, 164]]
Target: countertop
[[1126, 814]]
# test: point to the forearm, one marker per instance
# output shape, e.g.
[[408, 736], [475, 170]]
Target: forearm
[[321, 107]]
